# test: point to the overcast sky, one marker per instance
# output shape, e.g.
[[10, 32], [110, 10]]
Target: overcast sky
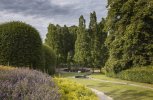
[[39, 13]]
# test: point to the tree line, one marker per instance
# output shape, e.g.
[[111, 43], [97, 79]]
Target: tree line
[[120, 41], [78, 45]]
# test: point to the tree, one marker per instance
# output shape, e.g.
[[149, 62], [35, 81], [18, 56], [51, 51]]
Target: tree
[[61, 41], [102, 52], [73, 36], [129, 24], [53, 38], [65, 42], [82, 50], [94, 40], [97, 36]]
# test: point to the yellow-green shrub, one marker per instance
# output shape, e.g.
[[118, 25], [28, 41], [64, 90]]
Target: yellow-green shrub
[[6, 68], [73, 91]]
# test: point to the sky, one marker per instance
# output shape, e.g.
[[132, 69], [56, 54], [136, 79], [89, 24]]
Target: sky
[[39, 13]]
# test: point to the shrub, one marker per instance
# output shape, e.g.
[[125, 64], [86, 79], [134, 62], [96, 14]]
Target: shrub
[[50, 60], [138, 74], [3, 68], [20, 45], [25, 84], [73, 91]]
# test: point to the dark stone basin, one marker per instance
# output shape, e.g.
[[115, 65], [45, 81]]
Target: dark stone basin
[[81, 76]]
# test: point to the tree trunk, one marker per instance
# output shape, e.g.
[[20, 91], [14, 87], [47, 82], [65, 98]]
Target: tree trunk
[[93, 69], [100, 70]]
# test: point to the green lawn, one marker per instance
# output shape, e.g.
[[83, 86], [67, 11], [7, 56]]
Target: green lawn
[[116, 91], [104, 77]]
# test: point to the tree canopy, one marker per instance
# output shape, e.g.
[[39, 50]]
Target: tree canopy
[[129, 24]]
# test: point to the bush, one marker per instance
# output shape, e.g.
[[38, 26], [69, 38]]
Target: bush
[[20, 45], [25, 84], [3, 68], [50, 60], [138, 74], [73, 91]]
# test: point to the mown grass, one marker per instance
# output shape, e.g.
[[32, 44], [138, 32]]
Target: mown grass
[[104, 77], [117, 91]]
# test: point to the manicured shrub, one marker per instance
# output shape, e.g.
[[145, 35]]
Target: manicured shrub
[[138, 74], [50, 60], [74, 91], [20, 45], [25, 84]]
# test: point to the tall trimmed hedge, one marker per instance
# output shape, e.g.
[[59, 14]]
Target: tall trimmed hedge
[[20, 45], [50, 60]]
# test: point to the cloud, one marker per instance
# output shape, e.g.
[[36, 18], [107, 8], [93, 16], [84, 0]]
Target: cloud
[[40, 13], [34, 7]]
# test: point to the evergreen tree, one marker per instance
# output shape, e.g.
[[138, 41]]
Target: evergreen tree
[[61, 41], [72, 39], [95, 43], [82, 50], [51, 37], [97, 36], [53, 40], [73, 36], [129, 24], [66, 42], [102, 51]]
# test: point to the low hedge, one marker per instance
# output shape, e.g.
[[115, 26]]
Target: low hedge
[[73, 91], [138, 74]]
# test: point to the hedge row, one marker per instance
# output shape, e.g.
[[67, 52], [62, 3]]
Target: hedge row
[[50, 59], [138, 74], [21, 46]]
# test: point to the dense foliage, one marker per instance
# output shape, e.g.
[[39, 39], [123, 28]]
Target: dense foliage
[[82, 45], [129, 25], [20, 45], [79, 46], [25, 84], [98, 49], [61, 40], [73, 91], [50, 60], [138, 74]]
